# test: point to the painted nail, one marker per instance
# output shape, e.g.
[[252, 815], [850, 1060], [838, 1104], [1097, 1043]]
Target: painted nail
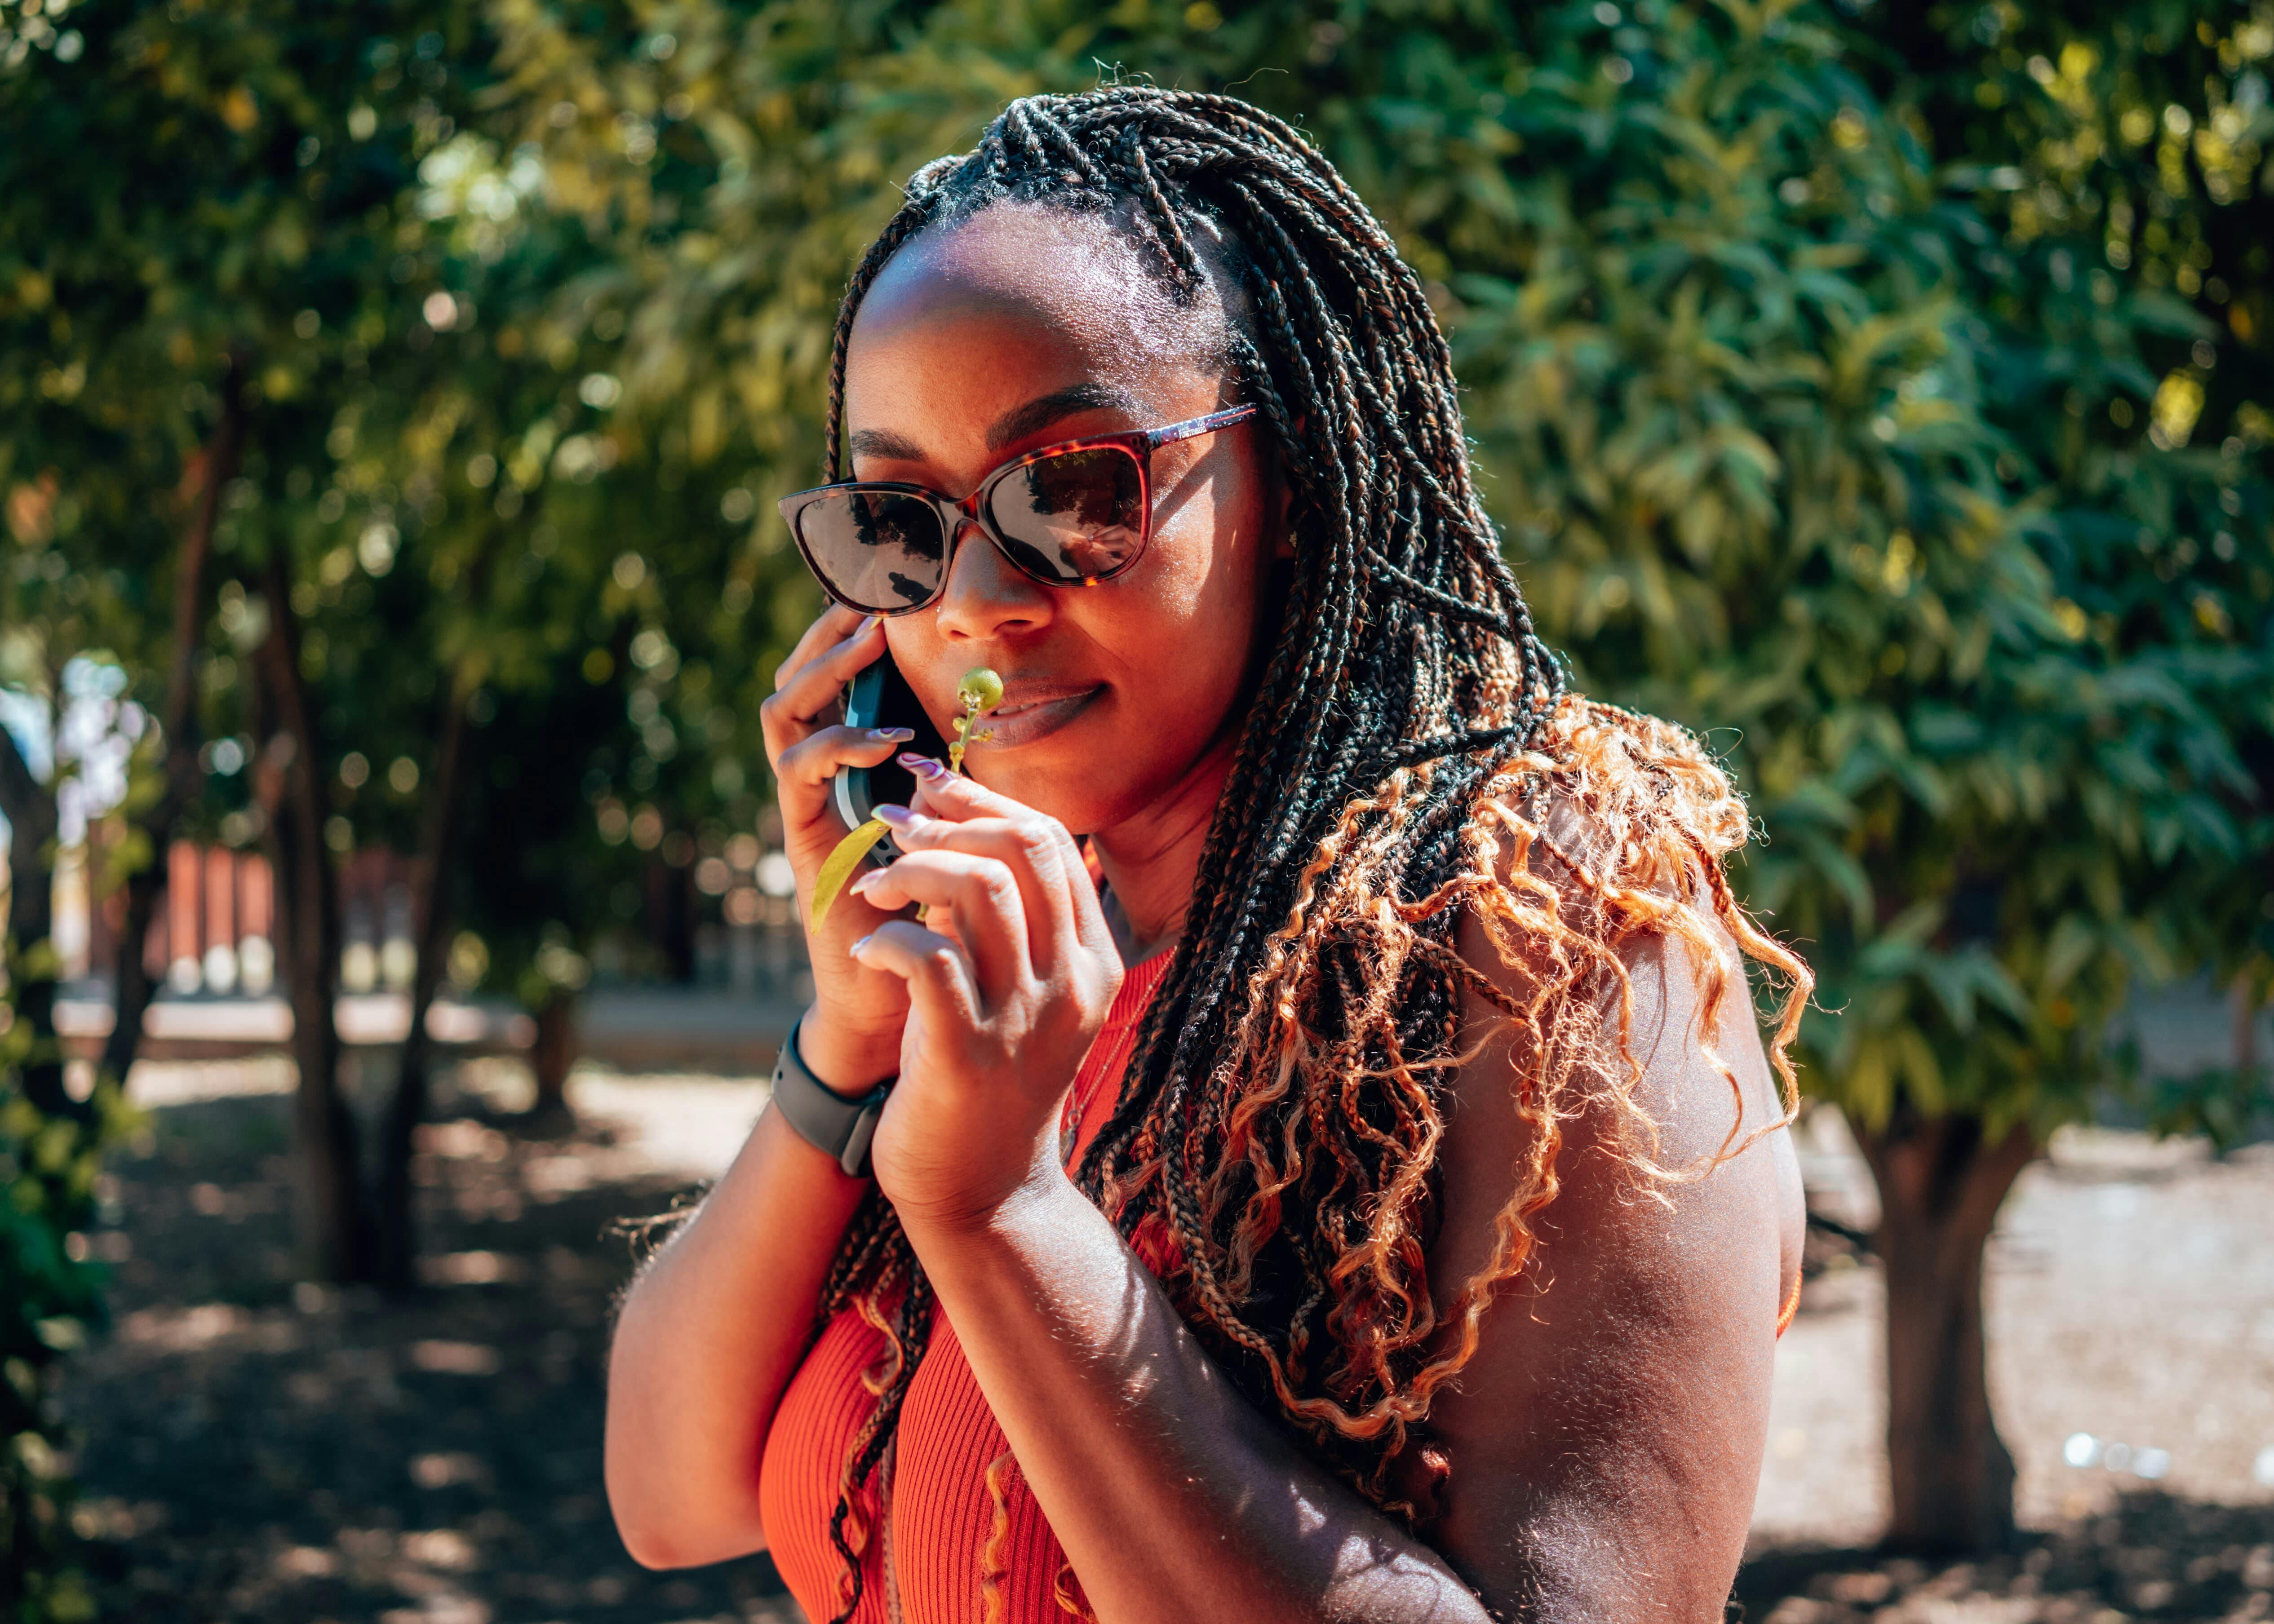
[[854, 952], [901, 818], [890, 735], [923, 766]]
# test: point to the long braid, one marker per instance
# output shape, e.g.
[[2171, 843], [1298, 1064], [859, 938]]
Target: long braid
[[1273, 1154]]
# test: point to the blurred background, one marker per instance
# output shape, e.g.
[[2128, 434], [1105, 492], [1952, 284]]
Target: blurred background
[[393, 397]]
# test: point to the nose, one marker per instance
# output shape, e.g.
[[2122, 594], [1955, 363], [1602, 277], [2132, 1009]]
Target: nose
[[986, 597]]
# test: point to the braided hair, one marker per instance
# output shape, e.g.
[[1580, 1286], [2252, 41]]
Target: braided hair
[[1273, 1154]]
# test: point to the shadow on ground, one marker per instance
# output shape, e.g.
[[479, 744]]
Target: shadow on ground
[[2152, 1556], [261, 1454], [255, 1452]]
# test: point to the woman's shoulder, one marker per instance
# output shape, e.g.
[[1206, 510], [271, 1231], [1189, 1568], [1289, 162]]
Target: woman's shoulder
[[1608, 1164], [1609, 798], [1602, 919], [1627, 788]]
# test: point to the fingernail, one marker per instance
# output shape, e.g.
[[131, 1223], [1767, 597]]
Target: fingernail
[[854, 952], [890, 735], [901, 818], [923, 766], [867, 620], [859, 887]]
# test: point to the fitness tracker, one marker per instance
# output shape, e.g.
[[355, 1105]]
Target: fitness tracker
[[824, 1118]]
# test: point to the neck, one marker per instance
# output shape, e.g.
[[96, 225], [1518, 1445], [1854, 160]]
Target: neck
[[1151, 857]]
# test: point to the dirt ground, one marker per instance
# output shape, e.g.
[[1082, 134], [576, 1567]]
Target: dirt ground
[[256, 1451], [259, 1452]]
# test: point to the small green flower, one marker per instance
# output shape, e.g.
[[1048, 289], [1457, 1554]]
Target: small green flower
[[979, 692]]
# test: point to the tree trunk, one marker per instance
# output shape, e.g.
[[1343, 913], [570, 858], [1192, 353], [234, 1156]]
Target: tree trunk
[[335, 1231], [202, 484], [1941, 1181], [2242, 1017], [555, 1053], [30, 809], [398, 1240], [671, 916]]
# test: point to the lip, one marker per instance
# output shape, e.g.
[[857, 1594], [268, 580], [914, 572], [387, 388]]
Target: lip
[[1034, 713]]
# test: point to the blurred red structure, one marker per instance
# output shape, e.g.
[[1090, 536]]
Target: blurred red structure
[[215, 928]]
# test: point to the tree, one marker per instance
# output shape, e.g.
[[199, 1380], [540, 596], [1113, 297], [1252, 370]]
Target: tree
[[2121, 145], [1762, 444], [1760, 375], [2142, 254], [321, 370], [49, 1301], [48, 1151], [237, 360], [153, 294], [465, 351], [50, 1143]]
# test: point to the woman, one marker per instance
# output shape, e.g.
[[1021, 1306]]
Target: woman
[[1338, 1185]]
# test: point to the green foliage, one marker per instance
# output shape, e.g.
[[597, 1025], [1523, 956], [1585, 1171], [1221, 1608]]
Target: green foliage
[[1799, 425], [1756, 408], [1884, 392], [2118, 151], [50, 1299], [249, 228], [291, 214]]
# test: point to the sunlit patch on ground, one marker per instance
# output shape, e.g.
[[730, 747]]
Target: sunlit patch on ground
[[259, 1450], [2153, 1555], [2130, 1294], [265, 1452]]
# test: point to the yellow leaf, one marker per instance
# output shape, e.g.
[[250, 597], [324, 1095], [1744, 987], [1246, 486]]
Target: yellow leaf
[[840, 865]]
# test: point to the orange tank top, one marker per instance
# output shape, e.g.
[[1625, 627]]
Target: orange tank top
[[942, 1510]]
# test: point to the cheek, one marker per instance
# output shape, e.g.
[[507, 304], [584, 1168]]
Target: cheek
[[1201, 580], [1183, 627]]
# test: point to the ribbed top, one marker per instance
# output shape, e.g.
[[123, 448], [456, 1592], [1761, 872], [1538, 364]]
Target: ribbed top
[[942, 1512]]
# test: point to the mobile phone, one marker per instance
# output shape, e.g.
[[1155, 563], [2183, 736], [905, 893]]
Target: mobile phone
[[880, 696]]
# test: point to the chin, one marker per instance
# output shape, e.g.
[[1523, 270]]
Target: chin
[[1082, 776], [1061, 789]]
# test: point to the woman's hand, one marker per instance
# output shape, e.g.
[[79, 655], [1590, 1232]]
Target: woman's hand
[[1006, 986], [853, 1034]]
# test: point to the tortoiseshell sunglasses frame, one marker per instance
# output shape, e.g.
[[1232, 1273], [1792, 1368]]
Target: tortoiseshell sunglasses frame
[[1139, 444]]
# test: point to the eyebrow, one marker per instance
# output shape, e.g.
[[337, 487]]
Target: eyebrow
[[883, 443], [1012, 426], [1040, 413]]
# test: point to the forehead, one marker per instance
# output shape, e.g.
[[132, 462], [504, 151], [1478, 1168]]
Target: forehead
[[1026, 297]]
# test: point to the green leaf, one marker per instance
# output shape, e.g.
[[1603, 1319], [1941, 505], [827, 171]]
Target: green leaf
[[843, 859]]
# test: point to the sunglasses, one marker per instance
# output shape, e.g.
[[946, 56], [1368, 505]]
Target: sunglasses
[[1070, 514]]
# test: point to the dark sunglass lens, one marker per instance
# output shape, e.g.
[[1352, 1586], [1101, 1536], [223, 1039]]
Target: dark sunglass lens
[[1075, 516], [878, 549]]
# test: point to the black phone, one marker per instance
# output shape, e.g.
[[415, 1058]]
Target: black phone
[[880, 696]]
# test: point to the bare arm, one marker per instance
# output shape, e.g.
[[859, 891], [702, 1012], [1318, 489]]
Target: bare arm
[[1606, 1439], [707, 1341], [712, 1332], [1603, 1453]]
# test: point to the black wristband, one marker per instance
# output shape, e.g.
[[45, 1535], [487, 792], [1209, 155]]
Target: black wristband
[[823, 1118]]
